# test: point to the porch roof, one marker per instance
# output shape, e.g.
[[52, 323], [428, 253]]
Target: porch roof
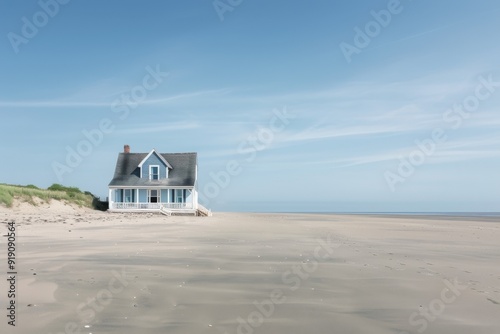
[[183, 172]]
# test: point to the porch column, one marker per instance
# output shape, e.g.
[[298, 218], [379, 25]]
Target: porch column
[[192, 199], [110, 198]]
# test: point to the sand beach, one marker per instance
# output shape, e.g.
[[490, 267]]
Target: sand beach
[[83, 271]]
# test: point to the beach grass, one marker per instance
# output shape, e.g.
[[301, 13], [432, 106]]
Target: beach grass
[[55, 192]]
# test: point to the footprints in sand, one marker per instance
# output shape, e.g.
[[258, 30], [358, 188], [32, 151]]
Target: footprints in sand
[[371, 258], [493, 301], [427, 272]]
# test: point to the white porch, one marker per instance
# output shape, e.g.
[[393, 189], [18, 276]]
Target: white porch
[[177, 200], [149, 206]]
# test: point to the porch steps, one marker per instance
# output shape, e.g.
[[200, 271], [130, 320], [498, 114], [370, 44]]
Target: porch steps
[[202, 211], [165, 211]]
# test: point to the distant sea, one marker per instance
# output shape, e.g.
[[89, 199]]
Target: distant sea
[[454, 214]]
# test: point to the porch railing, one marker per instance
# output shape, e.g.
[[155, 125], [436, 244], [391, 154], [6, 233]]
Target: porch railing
[[149, 206]]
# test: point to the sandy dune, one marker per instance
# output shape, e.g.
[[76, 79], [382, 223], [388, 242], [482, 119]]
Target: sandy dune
[[87, 272]]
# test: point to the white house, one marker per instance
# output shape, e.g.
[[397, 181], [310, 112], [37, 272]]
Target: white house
[[155, 181]]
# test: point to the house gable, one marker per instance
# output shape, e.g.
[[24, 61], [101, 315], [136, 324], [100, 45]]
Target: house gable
[[183, 171], [152, 163]]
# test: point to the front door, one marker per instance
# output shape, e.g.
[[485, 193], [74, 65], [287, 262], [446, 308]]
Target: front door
[[154, 196]]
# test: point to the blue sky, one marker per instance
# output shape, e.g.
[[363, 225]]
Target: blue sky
[[406, 119]]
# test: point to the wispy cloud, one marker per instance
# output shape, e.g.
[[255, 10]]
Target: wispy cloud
[[425, 88], [159, 127], [477, 17], [451, 151], [97, 101], [402, 120], [327, 132], [52, 104]]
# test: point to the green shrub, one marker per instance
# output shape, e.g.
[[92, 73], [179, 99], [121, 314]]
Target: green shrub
[[56, 192]]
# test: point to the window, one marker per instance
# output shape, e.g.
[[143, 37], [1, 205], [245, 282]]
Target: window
[[154, 172], [179, 196], [154, 196], [129, 195]]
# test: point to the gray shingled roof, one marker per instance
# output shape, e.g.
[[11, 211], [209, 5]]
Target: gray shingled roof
[[182, 174]]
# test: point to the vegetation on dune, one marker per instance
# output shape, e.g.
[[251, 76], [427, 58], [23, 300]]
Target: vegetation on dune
[[56, 192]]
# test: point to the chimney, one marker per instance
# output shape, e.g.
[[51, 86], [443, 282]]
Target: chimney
[[126, 149]]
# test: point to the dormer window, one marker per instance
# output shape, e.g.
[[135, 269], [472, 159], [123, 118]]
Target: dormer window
[[154, 172], [149, 168]]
